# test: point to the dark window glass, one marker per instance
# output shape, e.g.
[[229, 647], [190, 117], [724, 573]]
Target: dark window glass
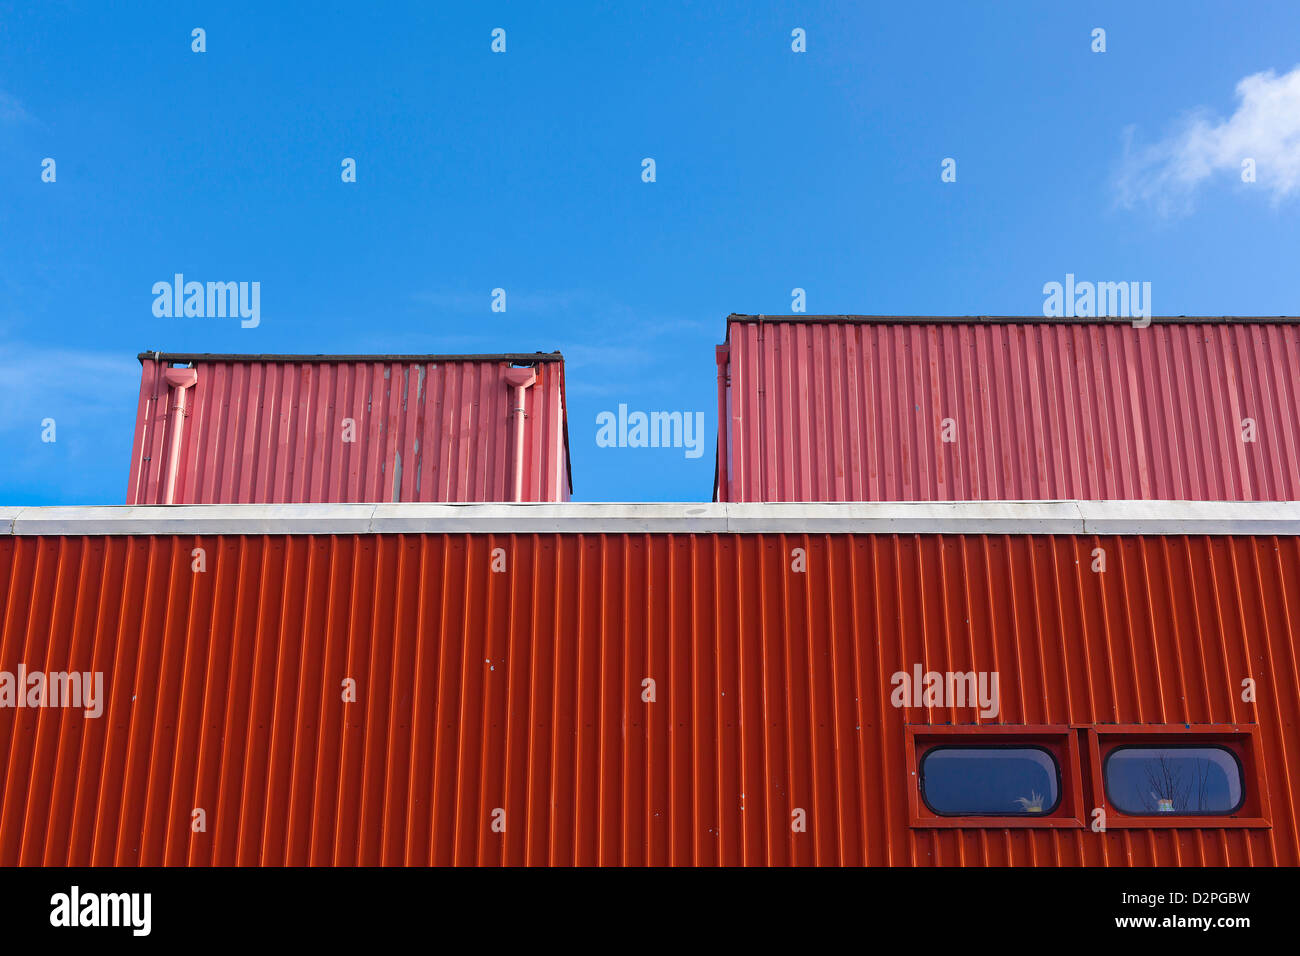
[[990, 781], [1180, 779]]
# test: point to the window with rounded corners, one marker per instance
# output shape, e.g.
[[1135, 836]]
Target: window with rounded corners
[[1177, 779], [990, 781]]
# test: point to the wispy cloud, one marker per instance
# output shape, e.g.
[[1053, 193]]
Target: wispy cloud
[[90, 398], [11, 111], [36, 382], [613, 314], [1265, 128], [582, 356], [463, 302]]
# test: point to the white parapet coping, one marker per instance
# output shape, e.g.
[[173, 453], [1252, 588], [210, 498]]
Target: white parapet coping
[[194, 519], [908, 517], [566, 518], [1190, 517]]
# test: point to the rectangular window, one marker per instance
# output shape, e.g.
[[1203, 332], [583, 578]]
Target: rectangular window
[[990, 780], [990, 775], [1180, 775], [1186, 779]]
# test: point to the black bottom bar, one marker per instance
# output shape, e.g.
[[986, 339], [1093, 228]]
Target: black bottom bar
[[1006, 907]]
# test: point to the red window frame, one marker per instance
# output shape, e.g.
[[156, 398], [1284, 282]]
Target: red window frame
[[1241, 739], [1058, 739]]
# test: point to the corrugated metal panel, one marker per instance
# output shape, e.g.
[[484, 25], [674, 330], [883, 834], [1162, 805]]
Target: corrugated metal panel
[[836, 409], [522, 690], [271, 430]]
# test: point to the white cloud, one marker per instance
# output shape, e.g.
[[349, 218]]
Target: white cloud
[[92, 398], [36, 382], [1265, 128], [481, 301], [11, 111]]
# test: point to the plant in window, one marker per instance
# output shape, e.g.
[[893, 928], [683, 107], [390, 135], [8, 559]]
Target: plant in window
[[1170, 791], [1032, 803]]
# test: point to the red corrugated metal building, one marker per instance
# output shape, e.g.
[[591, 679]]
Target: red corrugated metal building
[[501, 656], [346, 428], [881, 408]]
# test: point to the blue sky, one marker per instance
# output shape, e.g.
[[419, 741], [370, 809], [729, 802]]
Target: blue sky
[[522, 170]]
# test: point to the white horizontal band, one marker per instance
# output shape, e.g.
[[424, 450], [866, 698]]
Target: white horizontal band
[[912, 517]]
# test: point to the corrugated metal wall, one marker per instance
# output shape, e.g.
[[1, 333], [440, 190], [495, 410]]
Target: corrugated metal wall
[[522, 690], [267, 431], [855, 411]]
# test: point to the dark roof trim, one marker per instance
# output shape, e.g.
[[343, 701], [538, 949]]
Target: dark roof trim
[[1019, 319], [528, 358], [564, 418]]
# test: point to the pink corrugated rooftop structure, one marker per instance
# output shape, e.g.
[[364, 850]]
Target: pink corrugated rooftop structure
[[925, 408], [238, 429]]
